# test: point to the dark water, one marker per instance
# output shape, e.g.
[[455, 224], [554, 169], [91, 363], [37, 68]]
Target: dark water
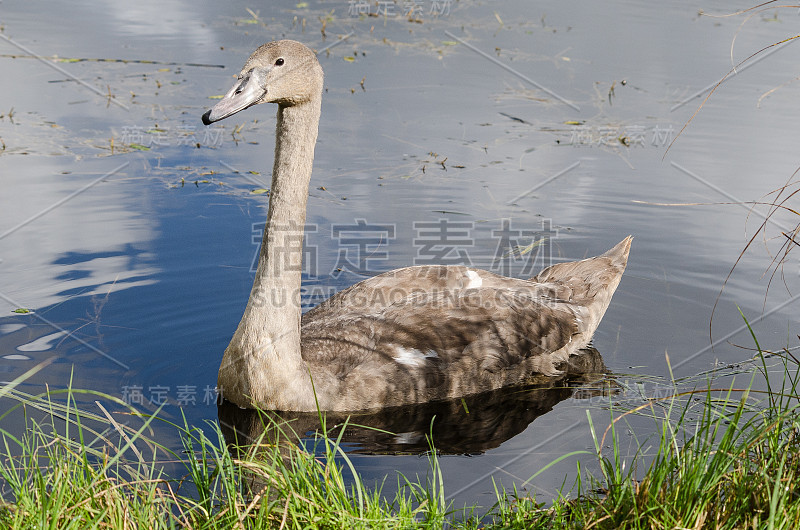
[[138, 262]]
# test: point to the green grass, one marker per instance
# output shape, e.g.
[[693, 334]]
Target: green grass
[[734, 464]]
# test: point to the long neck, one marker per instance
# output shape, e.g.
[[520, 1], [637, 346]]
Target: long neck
[[262, 364]]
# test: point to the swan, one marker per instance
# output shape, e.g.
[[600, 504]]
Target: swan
[[412, 335]]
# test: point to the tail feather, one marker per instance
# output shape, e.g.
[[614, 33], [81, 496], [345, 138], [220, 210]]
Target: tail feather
[[592, 282], [610, 264]]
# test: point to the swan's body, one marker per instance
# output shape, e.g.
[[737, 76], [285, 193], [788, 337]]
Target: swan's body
[[412, 335]]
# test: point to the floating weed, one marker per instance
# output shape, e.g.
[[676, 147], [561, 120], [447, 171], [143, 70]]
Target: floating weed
[[58, 59], [253, 20], [518, 250]]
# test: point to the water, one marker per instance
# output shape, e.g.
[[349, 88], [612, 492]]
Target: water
[[138, 262]]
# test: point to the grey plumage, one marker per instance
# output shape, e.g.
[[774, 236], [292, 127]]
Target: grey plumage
[[412, 335]]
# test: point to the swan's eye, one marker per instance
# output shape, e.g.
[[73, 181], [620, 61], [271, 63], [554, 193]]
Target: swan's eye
[[279, 62]]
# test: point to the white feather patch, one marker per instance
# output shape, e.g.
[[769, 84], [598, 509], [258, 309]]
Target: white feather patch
[[412, 356], [475, 280]]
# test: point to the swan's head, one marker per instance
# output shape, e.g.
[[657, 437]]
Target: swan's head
[[285, 72]]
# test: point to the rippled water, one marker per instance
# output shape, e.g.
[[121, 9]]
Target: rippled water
[[129, 228]]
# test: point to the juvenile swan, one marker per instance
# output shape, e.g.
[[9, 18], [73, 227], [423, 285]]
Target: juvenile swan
[[411, 335]]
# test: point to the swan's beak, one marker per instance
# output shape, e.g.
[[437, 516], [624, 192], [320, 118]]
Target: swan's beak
[[247, 91]]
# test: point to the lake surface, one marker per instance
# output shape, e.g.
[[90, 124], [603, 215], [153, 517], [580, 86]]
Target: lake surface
[[130, 229]]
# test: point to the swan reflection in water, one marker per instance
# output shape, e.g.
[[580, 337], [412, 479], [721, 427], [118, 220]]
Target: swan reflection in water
[[471, 425]]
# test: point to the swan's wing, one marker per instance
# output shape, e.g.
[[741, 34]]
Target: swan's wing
[[434, 318]]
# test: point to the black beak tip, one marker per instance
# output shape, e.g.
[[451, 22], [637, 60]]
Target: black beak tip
[[207, 118]]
